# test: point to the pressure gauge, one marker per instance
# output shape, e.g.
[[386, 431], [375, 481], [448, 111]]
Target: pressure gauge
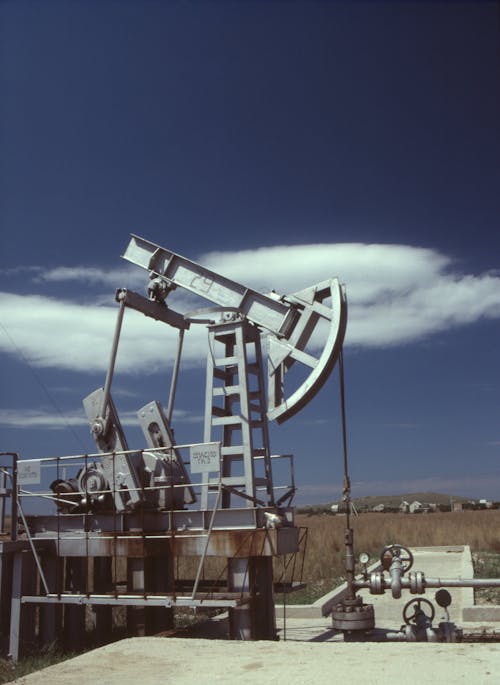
[[364, 558]]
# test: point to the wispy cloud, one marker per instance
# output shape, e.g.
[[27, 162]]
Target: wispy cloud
[[68, 335], [45, 419], [41, 419], [183, 416], [113, 278], [397, 294]]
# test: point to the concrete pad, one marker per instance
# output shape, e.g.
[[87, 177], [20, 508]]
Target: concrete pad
[[151, 661]]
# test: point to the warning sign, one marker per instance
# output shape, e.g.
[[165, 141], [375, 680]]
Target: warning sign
[[28, 472], [205, 457]]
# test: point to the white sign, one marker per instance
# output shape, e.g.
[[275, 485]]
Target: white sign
[[28, 472], [205, 458]]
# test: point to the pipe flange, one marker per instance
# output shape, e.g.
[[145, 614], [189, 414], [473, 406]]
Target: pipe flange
[[417, 582], [376, 583], [350, 618]]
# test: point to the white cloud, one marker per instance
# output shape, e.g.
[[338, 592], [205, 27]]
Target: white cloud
[[370, 271], [45, 419], [396, 294], [40, 419], [114, 278], [54, 333]]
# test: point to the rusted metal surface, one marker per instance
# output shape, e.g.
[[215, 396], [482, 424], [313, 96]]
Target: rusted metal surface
[[221, 543], [157, 521], [241, 543]]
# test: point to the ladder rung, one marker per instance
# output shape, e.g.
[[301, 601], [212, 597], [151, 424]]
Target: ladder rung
[[237, 454], [226, 391], [232, 449], [226, 361], [226, 336], [235, 481], [226, 421]]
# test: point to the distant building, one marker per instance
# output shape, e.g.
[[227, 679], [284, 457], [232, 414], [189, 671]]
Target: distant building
[[422, 507], [404, 507], [379, 507], [485, 504]]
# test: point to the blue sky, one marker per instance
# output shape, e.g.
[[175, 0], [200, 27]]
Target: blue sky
[[281, 143]]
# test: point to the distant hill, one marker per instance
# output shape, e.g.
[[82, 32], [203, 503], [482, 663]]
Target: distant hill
[[392, 501]]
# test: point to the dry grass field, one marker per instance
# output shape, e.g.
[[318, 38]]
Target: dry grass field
[[323, 562]]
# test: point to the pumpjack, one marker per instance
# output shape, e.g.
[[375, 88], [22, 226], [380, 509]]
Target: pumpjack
[[151, 506]]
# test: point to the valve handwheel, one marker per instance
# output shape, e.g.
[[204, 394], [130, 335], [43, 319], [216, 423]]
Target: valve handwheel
[[417, 603], [400, 551]]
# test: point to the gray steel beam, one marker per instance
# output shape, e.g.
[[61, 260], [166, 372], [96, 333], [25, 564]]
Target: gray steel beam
[[262, 310]]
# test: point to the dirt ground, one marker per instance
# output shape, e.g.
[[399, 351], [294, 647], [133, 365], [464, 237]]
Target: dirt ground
[[151, 661]]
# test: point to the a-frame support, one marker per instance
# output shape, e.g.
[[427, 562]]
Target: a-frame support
[[235, 415]]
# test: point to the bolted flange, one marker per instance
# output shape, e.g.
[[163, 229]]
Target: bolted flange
[[353, 615], [376, 583], [417, 582]]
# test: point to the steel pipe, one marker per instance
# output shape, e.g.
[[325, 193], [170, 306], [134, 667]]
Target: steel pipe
[[382, 583]]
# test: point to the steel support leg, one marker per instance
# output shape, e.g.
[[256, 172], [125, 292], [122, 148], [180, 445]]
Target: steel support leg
[[159, 578], [136, 583], [264, 615], [51, 614], [6, 561], [22, 616], [103, 583], [74, 616], [240, 618], [257, 620]]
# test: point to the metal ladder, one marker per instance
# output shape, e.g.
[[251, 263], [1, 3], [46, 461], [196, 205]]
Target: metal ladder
[[235, 415]]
